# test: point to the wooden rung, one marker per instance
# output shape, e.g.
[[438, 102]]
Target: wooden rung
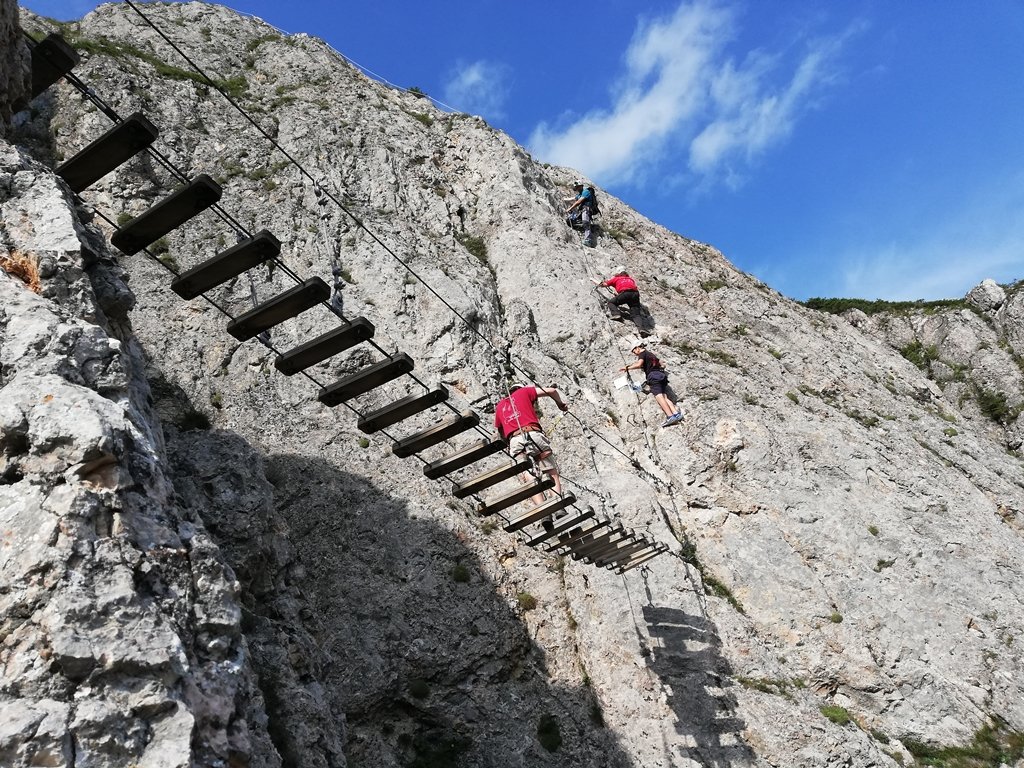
[[324, 346], [52, 58], [620, 552], [401, 409], [639, 559], [292, 302], [456, 461], [101, 156], [420, 441], [511, 498], [489, 478], [589, 542], [541, 512], [578, 534], [580, 548], [171, 212], [617, 560], [563, 526], [230, 263], [361, 382]]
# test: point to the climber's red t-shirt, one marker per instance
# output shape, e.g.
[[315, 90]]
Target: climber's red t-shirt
[[516, 411], [621, 283]]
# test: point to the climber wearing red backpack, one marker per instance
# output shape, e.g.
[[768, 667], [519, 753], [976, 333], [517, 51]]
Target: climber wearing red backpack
[[625, 293], [657, 380]]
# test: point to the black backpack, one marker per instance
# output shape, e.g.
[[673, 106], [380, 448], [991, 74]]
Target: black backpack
[[594, 210]]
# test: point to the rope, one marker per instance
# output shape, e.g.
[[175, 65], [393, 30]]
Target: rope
[[334, 198], [242, 233], [334, 305]]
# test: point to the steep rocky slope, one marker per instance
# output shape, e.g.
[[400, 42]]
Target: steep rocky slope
[[971, 348], [251, 581]]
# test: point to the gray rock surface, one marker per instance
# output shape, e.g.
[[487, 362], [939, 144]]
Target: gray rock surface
[[120, 621], [971, 349], [208, 557], [14, 65]]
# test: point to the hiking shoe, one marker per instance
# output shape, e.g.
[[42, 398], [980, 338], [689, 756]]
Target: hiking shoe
[[617, 318], [672, 419], [589, 243]]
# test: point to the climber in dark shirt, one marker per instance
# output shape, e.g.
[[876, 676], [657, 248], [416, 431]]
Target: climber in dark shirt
[[657, 380]]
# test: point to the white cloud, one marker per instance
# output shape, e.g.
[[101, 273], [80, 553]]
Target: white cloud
[[749, 117], [983, 236], [681, 88], [930, 271], [478, 88]]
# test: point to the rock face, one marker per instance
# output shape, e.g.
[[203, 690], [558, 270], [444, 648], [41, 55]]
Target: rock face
[[204, 566], [972, 350], [14, 65]]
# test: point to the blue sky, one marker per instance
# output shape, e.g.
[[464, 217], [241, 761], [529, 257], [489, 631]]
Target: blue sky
[[867, 148]]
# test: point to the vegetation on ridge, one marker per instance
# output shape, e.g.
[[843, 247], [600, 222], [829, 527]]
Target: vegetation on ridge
[[993, 745], [838, 306]]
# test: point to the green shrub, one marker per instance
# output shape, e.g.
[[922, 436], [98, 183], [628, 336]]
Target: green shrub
[[838, 715], [548, 733], [838, 306], [475, 245], [992, 745], [868, 420], [711, 584], [527, 602], [255, 43], [723, 357], [766, 685], [712, 285], [836, 617], [993, 405], [193, 420], [418, 688], [160, 247], [460, 574], [168, 261], [364, 442], [919, 354]]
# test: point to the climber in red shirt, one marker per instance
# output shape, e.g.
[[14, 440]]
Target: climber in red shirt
[[517, 422], [625, 293]]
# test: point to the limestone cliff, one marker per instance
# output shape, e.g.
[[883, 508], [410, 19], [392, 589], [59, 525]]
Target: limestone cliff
[[202, 565]]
